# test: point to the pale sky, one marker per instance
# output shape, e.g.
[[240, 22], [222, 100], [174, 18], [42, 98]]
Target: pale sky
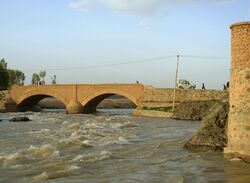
[[74, 39]]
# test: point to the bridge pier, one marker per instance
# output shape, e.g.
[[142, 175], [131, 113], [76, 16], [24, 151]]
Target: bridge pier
[[239, 99], [74, 107]]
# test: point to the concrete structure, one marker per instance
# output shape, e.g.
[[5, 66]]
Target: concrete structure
[[76, 98], [239, 97]]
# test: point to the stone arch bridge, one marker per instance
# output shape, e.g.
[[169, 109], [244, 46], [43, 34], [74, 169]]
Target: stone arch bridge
[[77, 98]]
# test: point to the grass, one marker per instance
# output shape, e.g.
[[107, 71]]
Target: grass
[[163, 109]]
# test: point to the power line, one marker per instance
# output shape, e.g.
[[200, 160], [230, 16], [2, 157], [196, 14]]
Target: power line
[[128, 63], [114, 64], [105, 65], [205, 57]]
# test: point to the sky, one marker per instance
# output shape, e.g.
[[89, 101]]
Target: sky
[[121, 41]]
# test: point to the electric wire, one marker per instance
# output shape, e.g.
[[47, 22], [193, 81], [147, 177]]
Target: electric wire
[[128, 63]]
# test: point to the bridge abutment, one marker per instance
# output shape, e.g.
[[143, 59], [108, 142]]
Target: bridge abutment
[[74, 107], [239, 97]]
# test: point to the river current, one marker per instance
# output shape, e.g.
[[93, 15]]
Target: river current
[[111, 146]]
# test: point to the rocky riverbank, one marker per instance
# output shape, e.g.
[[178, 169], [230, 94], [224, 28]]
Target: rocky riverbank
[[212, 134], [214, 114], [194, 110]]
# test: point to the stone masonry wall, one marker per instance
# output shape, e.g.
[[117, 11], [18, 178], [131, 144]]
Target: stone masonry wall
[[239, 115], [157, 97]]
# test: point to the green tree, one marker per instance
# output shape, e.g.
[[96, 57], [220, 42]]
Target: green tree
[[16, 77], [53, 80], [4, 75], [42, 75], [35, 78], [3, 64]]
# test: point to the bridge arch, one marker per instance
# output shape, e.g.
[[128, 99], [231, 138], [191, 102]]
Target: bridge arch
[[90, 102], [28, 100]]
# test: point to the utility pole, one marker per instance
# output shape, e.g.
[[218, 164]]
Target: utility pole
[[76, 92], [175, 81]]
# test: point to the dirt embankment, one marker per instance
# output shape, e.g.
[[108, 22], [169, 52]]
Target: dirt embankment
[[194, 110], [212, 135]]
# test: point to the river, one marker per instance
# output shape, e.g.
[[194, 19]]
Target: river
[[111, 146]]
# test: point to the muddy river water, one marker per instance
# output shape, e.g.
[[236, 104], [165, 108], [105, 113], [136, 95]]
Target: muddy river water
[[111, 146]]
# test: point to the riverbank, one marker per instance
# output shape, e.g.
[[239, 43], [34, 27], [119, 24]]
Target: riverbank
[[183, 111], [189, 104], [211, 136]]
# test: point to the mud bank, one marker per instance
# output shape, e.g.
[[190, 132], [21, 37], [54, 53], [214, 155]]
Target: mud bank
[[212, 136]]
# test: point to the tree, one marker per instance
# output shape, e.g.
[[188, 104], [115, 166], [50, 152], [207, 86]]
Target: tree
[[9, 77], [42, 74], [4, 75], [16, 77], [3, 64], [53, 80], [35, 78]]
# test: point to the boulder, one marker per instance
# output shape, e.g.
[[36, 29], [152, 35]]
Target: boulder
[[212, 135], [20, 119]]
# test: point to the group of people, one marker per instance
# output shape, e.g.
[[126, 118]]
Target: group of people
[[41, 82], [225, 86]]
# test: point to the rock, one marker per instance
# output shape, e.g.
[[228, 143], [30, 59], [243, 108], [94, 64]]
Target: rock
[[193, 110], [20, 119], [212, 135], [0, 120]]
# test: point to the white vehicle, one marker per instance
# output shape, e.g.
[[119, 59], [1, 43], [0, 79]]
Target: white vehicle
[[185, 84]]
